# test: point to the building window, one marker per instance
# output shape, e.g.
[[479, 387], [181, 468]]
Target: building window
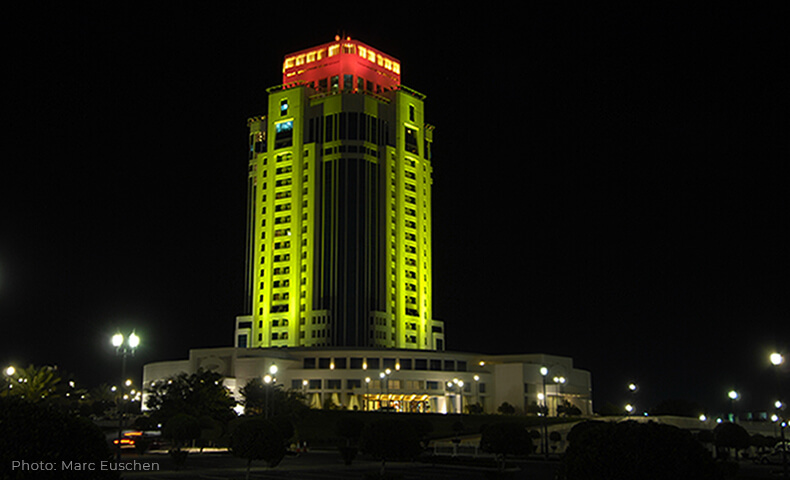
[[411, 113], [411, 141], [284, 134], [284, 107]]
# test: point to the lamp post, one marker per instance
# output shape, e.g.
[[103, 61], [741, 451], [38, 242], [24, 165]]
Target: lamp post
[[268, 383], [124, 346], [777, 359], [455, 387], [733, 395], [367, 392], [384, 376], [544, 372]]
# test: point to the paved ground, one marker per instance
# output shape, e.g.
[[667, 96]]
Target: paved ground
[[315, 465], [327, 465]]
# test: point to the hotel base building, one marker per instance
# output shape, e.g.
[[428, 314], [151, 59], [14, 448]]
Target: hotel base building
[[339, 252]]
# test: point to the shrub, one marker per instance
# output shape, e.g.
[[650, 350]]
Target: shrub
[[628, 450]]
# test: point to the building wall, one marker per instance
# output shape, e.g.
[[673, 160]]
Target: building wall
[[425, 381], [339, 222]]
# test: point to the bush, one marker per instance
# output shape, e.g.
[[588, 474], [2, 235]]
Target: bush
[[36, 433], [504, 439], [628, 450], [390, 440], [258, 439]]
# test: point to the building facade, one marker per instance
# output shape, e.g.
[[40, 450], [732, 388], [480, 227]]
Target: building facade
[[339, 256], [403, 380], [339, 208]]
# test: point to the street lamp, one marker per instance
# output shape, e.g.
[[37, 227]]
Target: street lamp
[[456, 386], [367, 392], [733, 396], [777, 360], [269, 381], [544, 371], [123, 347]]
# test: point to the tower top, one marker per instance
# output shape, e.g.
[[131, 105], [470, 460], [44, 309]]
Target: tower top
[[343, 56]]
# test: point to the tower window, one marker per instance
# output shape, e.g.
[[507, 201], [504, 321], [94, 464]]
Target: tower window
[[411, 141], [284, 134], [284, 107]]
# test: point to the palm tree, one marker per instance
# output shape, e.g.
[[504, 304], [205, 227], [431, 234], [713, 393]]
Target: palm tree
[[34, 383]]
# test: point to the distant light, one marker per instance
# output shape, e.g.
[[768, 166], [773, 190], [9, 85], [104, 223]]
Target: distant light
[[632, 387], [777, 359], [273, 369], [774, 418], [778, 404], [10, 371], [733, 395], [134, 340], [117, 340], [629, 408], [703, 418], [544, 371]]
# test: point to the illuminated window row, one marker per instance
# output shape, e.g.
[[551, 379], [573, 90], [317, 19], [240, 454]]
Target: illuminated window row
[[347, 48]]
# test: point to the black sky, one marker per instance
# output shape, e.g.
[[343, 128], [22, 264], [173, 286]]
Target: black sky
[[610, 184]]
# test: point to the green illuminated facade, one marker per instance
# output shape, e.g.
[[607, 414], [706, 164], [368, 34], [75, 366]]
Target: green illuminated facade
[[339, 208]]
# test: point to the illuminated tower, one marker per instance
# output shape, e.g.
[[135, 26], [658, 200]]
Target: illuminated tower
[[339, 207]]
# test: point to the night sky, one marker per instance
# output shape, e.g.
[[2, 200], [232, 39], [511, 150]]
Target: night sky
[[610, 185]]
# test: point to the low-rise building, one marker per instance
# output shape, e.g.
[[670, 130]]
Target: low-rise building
[[403, 380]]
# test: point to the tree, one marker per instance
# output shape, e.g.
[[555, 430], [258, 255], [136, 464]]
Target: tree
[[258, 439], [506, 409], [555, 437], [33, 383], [199, 394], [567, 409], [182, 429], [503, 439], [628, 450], [390, 440], [350, 429], [257, 396], [731, 436]]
